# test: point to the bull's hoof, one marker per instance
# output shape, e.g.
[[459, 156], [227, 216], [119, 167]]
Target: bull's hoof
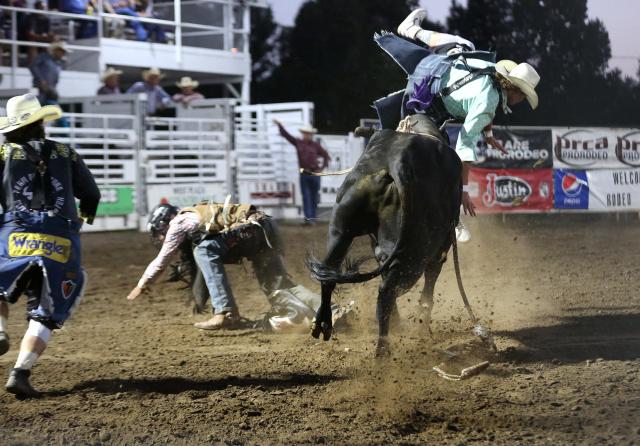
[[323, 327], [382, 349]]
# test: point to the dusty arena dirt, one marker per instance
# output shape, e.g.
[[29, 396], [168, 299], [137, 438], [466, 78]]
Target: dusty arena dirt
[[561, 294]]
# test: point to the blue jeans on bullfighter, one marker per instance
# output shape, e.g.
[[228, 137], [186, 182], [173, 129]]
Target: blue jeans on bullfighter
[[209, 255], [310, 188]]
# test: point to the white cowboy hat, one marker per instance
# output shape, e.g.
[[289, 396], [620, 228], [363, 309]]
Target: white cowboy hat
[[186, 81], [59, 45], [523, 76], [308, 129], [108, 73], [152, 72], [24, 110]]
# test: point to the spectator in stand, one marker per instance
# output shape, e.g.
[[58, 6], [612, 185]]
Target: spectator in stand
[[157, 98], [145, 9], [309, 153], [188, 93], [127, 7], [86, 28], [46, 71], [111, 80], [35, 28]]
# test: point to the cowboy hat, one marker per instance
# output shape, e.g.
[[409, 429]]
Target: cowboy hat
[[108, 73], [26, 109], [186, 81], [308, 129], [523, 76], [59, 45], [152, 72]]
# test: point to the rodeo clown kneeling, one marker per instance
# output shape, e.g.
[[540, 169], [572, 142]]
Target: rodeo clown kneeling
[[208, 235], [39, 240]]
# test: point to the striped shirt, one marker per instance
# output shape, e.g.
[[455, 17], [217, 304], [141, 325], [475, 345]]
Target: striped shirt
[[180, 228]]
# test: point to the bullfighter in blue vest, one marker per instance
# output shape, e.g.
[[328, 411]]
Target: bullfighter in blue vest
[[40, 253], [449, 79]]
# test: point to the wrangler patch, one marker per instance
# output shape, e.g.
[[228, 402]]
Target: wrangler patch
[[25, 244]]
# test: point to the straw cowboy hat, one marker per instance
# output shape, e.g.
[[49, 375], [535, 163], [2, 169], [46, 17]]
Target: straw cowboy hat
[[59, 45], [152, 72], [523, 76], [308, 129], [108, 73], [26, 109], [186, 81]]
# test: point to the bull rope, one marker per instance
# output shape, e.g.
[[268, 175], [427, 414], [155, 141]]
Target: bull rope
[[479, 330], [326, 174]]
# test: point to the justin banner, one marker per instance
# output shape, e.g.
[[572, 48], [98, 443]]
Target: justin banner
[[595, 148], [502, 190]]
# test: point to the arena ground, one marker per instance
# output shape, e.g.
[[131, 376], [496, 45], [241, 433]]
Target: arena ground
[[561, 294]]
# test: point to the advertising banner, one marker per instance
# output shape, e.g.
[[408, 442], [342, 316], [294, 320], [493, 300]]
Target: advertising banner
[[597, 190], [596, 148], [527, 149], [116, 200], [505, 190], [267, 193], [184, 194]]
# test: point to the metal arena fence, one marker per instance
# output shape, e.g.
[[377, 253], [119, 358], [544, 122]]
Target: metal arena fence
[[218, 147]]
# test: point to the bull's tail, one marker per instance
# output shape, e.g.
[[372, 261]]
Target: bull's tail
[[321, 272]]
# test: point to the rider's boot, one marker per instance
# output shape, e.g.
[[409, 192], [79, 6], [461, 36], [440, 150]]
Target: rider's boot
[[410, 27]]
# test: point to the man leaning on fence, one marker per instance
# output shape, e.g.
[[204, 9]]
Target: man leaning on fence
[[157, 98], [46, 69], [309, 154]]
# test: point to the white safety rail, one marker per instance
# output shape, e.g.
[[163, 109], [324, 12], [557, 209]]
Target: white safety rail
[[267, 165], [109, 146], [186, 160], [345, 151]]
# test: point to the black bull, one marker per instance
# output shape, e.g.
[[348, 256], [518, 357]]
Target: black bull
[[405, 193]]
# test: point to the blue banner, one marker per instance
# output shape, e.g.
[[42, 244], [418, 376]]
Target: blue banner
[[571, 189]]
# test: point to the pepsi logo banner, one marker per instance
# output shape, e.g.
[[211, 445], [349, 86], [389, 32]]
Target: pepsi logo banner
[[508, 190], [582, 148], [571, 189]]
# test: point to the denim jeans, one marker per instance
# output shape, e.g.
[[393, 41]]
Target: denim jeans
[[209, 256], [231, 247], [310, 188], [141, 32]]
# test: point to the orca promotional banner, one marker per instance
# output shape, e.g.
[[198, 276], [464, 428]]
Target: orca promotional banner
[[595, 148], [597, 190], [509, 190]]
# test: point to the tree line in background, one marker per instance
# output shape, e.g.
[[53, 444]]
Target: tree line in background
[[329, 57]]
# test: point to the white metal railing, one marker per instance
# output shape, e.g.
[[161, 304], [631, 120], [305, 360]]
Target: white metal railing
[[108, 151], [187, 150], [232, 15]]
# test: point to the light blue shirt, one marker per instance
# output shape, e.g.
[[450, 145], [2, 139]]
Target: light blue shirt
[[476, 103], [157, 98]]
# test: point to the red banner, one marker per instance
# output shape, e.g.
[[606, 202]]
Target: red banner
[[512, 190]]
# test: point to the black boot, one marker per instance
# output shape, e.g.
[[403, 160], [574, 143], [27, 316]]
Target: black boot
[[18, 384], [4, 343]]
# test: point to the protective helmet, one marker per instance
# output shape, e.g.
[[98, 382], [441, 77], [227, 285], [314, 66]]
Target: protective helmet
[[159, 221]]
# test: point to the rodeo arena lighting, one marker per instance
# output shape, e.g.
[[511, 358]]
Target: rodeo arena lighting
[[139, 180]]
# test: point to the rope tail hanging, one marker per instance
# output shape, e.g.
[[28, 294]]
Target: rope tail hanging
[[326, 174]]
